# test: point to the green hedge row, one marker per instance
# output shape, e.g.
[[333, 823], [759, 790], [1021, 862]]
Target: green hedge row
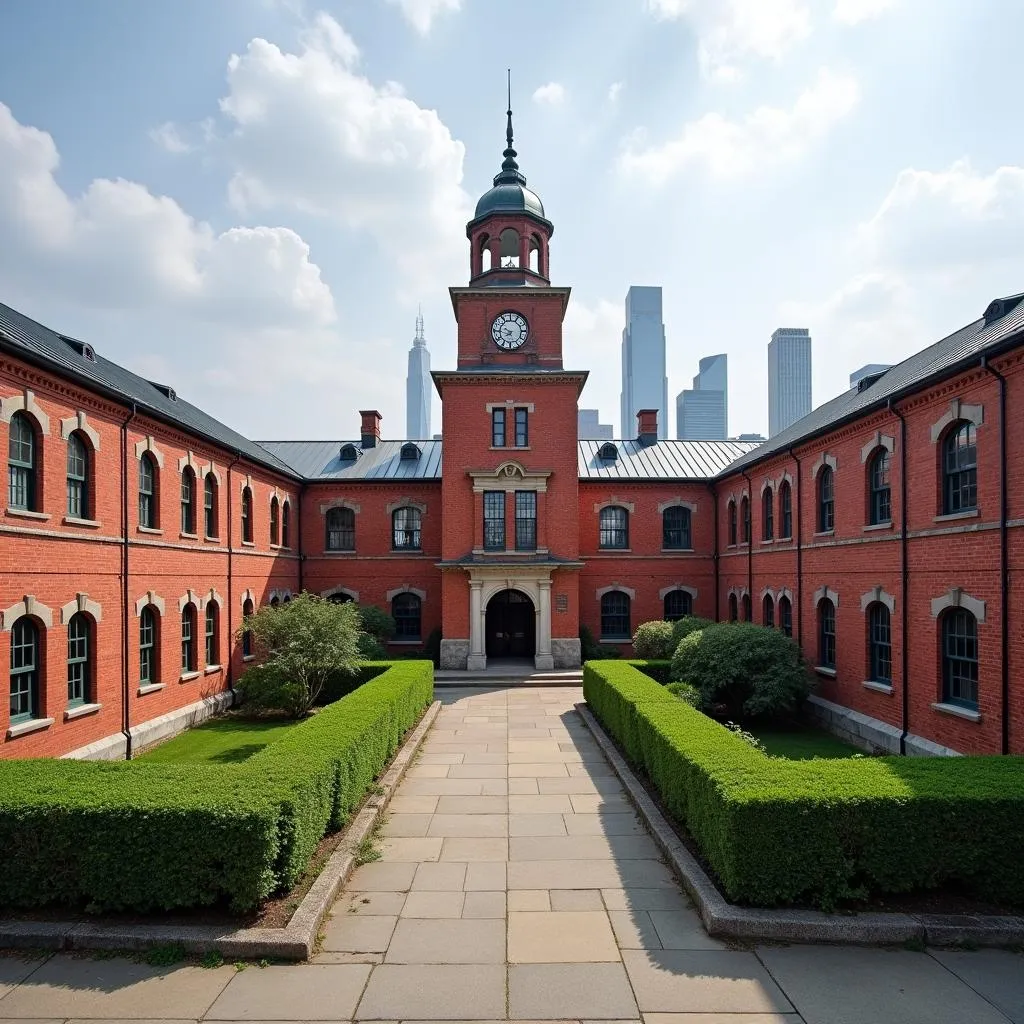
[[138, 836], [777, 831]]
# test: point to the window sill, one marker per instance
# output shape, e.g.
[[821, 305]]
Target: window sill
[[618, 551], [877, 526], [76, 521], [786, 540], [149, 529], [727, 546], [405, 643], [952, 517], [81, 711], [824, 670], [246, 658], [211, 540], [24, 728], [187, 677], [248, 543], [336, 554], [149, 688], [824, 533], [188, 536], [769, 540], [27, 513], [407, 551], [210, 669], [872, 684], [958, 712], [615, 640], [275, 547], [677, 551], [509, 448]]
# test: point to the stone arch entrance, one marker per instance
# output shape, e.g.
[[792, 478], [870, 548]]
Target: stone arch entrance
[[510, 625]]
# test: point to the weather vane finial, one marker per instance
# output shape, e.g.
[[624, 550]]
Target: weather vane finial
[[509, 167]]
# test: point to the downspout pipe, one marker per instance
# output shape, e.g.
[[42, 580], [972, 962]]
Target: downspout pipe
[[714, 552], [231, 580], [1004, 560], [904, 584], [748, 526], [125, 688], [298, 534], [798, 505]]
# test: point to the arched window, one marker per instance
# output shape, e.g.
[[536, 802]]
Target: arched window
[[246, 515], [826, 500], [341, 529], [405, 529], [678, 604], [734, 613], [340, 598], [786, 616], [827, 633], [24, 670], [508, 248], [960, 469], [78, 477], [212, 645], [188, 638], [745, 518], [147, 492], [768, 610], [22, 474], [960, 658], [246, 633], [275, 520], [148, 647], [615, 623], [879, 644], [786, 510], [79, 663], [614, 527], [406, 610], [732, 523], [188, 500], [287, 599], [485, 253], [879, 493], [767, 515], [748, 614], [275, 602], [210, 505], [286, 524], [675, 528]]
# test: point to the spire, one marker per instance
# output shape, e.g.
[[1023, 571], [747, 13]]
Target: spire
[[510, 174], [419, 339]]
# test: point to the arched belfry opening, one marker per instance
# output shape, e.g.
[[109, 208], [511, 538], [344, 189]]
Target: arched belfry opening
[[509, 248]]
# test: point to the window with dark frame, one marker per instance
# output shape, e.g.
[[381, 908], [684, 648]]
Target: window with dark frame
[[341, 529], [879, 644], [745, 519], [526, 520], [188, 497], [615, 618], [188, 638], [522, 428], [210, 505], [497, 428], [827, 634], [767, 515], [246, 633], [24, 670], [78, 660], [21, 464], [880, 492], [675, 528], [960, 658], [786, 510], [960, 469], [406, 610], [212, 653], [613, 522], [768, 610], [786, 616], [494, 520], [734, 613], [147, 647], [406, 529], [275, 521], [78, 473], [286, 524], [677, 605], [246, 515], [147, 491], [748, 611], [826, 500], [732, 523]]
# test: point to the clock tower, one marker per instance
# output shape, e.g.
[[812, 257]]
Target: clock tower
[[509, 478]]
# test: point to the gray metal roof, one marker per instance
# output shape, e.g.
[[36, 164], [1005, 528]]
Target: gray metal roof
[[40, 345], [321, 460], [941, 359], [663, 460]]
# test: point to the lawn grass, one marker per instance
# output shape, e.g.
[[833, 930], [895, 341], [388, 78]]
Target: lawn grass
[[226, 739], [800, 742]]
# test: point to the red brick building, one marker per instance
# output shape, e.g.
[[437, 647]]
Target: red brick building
[[137, 531]]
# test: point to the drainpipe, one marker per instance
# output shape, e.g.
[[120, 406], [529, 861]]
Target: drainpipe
[[1004, 581], [904, 581], [714, 552], [125, 714], [298, 534], [749, 527], [799, 555], [231, 578]]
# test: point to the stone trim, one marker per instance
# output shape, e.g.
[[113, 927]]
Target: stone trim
[[326, 506], [785, 592], [879, 440], [629, 506], [628, 591], [509, 403], [664, 506], [332, 591], [877, 594], [738, 592], [822, 592], [80, 423], [214, 597], [207, 469], [507, 476], [785, 478], [149, 598], [767, 484], [245, 481], [958, 410], [281, 595], [191, 597], [189, 459], [768, 592], [81, 603], [393, 506], [405, 589], [28, 605], [25, 402], [823, 460], [665, 591], [957, 598], [247, 595], [148, 444]]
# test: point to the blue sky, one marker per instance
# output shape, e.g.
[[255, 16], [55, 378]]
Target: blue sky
[[247, 199]]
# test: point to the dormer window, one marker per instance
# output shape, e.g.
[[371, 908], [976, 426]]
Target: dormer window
[[410, 452], [348, 453], [608, 452], [166, 390]]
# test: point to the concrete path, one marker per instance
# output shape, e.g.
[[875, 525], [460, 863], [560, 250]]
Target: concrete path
[[516, 883]]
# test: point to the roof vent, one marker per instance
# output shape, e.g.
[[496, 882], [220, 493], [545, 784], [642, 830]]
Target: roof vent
[[348, 453], [410, 451], [166, 390], [1000, 307], [608, 452], [872, 378], [84, 349]]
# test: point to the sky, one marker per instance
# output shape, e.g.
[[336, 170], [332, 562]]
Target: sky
[[249, 199]]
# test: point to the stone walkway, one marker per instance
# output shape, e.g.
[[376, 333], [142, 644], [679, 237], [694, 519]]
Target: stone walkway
[[516, 883]]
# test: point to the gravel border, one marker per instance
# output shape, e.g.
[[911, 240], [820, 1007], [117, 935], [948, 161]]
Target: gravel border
[[725, 920], [293, 942]]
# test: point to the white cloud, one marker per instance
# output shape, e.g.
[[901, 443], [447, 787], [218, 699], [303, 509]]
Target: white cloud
[[168, 136], [421, 13], [551, 94], [614, 92], [731, 149], [852, 12]]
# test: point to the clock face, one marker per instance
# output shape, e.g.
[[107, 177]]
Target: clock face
[[510, 331]]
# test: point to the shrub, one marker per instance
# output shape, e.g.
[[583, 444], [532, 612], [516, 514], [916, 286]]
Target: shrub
[[432, 647], [661, 670], [266, 688], [777, 831], [687, 693], [589, 647], [683, 627], [653, 640], [747, 670], [376, 622], [371, 649]]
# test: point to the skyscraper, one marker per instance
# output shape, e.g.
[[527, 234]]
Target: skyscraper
[[644, 384], [789, 377], [702, 413], [418, 388], [590, 428]]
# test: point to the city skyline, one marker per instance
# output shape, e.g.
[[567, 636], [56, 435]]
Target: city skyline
[[702, 412], [790, 393], [644, 380]]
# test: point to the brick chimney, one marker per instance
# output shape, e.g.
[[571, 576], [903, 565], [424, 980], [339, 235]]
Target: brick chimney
[[647, 426], [370, 430]]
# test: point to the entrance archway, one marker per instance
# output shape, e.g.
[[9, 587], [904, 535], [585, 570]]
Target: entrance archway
[[510, 627]]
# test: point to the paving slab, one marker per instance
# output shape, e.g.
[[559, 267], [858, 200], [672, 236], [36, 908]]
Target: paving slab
[[644, 899], [996, 974], [370, 904], [553, 938], [537, 824], [436, 877], [478, 771], [484, 905], [527, 804], [529, 900], [447, 942], [469, 826], [400, 803], [474, 849], [293, 993], [570, 991], [406, 825], [409, 851], [436, 992], [682, 929], [14, 969], [472, 805], [604, 825], [595, 847], [576, 899], [588, 874], [354, 933], [634, 929], [382, 876], [486, 876]]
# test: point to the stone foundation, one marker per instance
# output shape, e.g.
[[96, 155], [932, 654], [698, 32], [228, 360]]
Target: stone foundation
[[454, 654], [566, 652]]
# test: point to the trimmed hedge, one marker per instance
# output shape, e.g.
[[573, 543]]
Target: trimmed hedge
[[778, 831], [145, 836]]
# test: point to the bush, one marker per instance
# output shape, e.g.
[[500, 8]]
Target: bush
[[661, 670], [746, 670], [147, 836], [371, 649], [683, 627], [376, 622], [432, 647], [266, 688], [590, 649], [653, 640], [687, 693], [778, 831]]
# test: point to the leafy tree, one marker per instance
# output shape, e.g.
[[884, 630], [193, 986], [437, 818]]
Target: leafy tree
[[300, 645]]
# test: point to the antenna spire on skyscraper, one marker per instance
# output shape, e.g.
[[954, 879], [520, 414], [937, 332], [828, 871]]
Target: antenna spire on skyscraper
[[420, 340]]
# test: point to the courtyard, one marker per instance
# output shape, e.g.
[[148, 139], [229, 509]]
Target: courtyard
[[515, 882]]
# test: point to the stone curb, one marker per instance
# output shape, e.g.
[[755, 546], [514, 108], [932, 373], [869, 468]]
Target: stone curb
[[725, 920], [293, 942]]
